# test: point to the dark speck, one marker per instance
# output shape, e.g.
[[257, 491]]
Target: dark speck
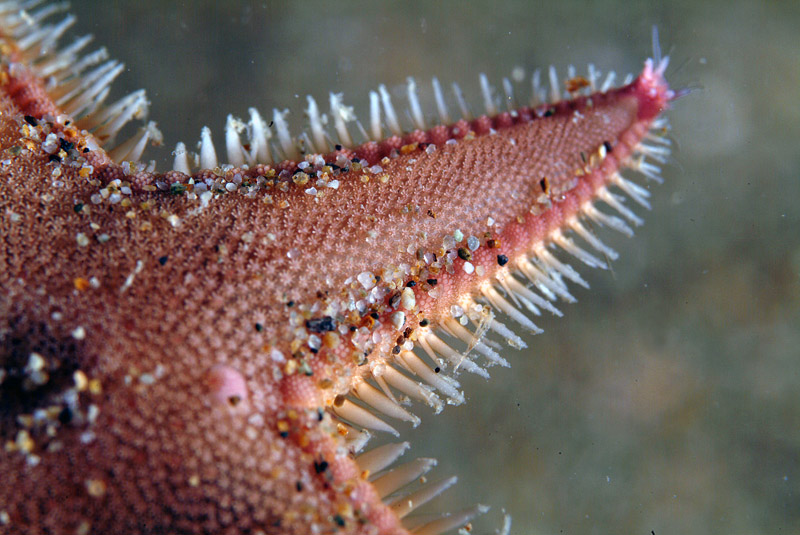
[[320, 466], [65, 416], [321, 325], [502, 259], [163, 260]]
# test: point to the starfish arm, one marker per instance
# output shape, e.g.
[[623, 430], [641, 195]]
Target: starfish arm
[[185, 352]]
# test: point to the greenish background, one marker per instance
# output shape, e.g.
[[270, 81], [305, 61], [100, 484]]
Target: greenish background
[[668, 399]]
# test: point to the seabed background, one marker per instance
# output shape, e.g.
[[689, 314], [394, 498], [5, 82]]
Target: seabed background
[[667, 399]]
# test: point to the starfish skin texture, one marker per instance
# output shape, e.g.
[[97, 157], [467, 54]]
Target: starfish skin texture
[[177, 359]]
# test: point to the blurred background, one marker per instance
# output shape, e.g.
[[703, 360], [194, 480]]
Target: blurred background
[[667, 400]]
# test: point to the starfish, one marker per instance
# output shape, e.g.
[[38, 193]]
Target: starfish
[[210, 349]]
